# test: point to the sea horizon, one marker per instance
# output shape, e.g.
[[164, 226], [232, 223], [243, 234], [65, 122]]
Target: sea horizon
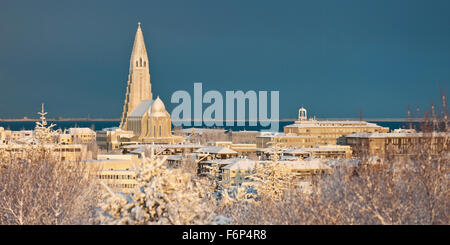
[[98, 125]]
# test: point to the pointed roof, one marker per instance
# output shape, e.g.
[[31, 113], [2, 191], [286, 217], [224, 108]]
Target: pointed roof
[[139, 50]]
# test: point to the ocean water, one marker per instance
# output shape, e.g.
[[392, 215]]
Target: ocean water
[[98, 125]]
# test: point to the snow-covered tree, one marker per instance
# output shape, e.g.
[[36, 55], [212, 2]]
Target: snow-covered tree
[[44, 132], [37, 188], [271, 179], [162, 196]]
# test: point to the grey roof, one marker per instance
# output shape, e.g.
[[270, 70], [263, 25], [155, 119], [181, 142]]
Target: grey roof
[[143, 107], [175, 157], [215, 150], [241, 163]]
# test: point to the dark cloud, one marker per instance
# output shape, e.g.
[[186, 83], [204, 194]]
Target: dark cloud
[[331, 56]]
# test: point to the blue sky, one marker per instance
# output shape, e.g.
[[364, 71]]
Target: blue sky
[[332, 56]]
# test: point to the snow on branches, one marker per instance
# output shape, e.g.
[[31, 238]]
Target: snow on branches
[[162, 196]]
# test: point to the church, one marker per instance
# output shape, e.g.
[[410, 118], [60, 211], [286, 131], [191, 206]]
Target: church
[[146, 117]]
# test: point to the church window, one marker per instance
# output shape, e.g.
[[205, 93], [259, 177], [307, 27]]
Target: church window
[[159, 130], [137, 64], [140, 61], [145, 63]]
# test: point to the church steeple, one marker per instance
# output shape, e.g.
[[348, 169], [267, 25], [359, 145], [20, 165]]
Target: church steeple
[[138, 85], [139, 57]]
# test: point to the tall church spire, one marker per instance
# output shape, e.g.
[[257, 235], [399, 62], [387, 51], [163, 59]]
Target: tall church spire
[[138, 85], [139, 57]]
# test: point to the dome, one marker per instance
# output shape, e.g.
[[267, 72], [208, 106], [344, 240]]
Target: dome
[[158, 108], [302, 114]]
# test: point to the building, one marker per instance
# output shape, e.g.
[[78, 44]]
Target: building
[[266, 139], [112, 138], [215, 152], [67, 153], [163, 149], [118, 171], [399, 142], [207, 155], [146, 118], [21, 143], [244, 137], [269, 153], [9, 135], [242, 149], [82, 135], [204, 135], [138, 84], [322, 151], [2, 135], [291, 140], [308, 168], [311, 132], [295, 154], [65, 139], [237, 170], [119, 180], [174, 161]]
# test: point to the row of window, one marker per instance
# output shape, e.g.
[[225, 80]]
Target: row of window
[[115, 176], [68, 150], [122, 185], [140, 64]]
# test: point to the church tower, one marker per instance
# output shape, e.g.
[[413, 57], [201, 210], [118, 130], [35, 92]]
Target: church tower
[[138, 85]]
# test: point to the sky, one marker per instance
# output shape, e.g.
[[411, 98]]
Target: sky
[[334, 57]]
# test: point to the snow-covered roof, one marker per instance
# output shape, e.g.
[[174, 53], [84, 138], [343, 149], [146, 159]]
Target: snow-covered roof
[[131, 146], [138, 150], [396, 134], [164, 146], [140, 110], [241, 163], [306, 164], [295, 151], [270, 134], [112, 129], [81, 131], [288, 158], [314, 123], [215, 150], [202, 130], [175, 157], [271, 150], [246, 131]]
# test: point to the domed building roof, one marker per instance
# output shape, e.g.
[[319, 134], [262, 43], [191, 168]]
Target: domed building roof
[[158, 108]]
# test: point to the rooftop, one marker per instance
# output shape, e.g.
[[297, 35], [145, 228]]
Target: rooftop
[[215, 150], [396, 134], [143, 107], [315, 123], [241, 163], [81, 131]]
